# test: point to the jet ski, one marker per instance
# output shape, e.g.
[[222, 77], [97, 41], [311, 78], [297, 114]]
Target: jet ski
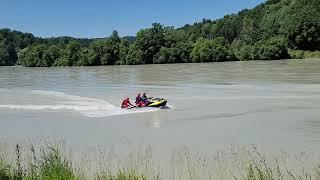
[[157, 102], [153, 102]]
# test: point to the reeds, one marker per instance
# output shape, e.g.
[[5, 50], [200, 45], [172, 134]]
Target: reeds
[[51, 162]]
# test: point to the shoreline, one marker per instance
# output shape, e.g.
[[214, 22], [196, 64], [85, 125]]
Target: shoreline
[[192, 63]]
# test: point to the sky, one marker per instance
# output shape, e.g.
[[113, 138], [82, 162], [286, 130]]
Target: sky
[[98, 18]]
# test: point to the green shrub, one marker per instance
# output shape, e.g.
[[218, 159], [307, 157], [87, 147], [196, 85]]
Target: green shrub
[[5, 170], [300, 54], [273, 48], [245, 53], [53, 165], [206, 50]]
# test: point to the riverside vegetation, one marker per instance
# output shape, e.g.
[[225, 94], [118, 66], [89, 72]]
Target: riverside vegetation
[[276, 29], [50, 162]]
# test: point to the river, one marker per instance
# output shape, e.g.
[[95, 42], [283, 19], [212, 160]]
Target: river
[[272, 104]]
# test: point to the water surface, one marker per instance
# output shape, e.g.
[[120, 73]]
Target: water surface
[[274, 104]]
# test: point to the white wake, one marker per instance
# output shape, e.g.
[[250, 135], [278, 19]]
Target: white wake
[[90, 107]]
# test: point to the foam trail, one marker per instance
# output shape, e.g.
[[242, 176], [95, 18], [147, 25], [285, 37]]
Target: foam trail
[[90, 107], [49, 107]]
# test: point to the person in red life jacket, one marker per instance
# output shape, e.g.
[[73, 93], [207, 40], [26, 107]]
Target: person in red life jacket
[[139, 102], [126, 104]]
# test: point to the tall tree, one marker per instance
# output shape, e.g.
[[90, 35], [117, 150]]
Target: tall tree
[[149, 41]]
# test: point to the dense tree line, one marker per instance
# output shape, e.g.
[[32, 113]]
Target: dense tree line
[[11, 42], [269, 31]]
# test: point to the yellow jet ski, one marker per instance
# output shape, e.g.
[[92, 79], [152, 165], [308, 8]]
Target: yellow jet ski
[[157, 102]]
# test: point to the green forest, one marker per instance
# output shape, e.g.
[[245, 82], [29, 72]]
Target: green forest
[[276, 29]]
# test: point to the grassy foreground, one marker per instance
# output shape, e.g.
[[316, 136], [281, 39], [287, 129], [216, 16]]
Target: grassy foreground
[[51, 162]]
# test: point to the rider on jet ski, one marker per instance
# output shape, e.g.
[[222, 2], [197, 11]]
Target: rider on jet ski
[[144, 98], [139, 101], [142, 101], [138, 98]]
